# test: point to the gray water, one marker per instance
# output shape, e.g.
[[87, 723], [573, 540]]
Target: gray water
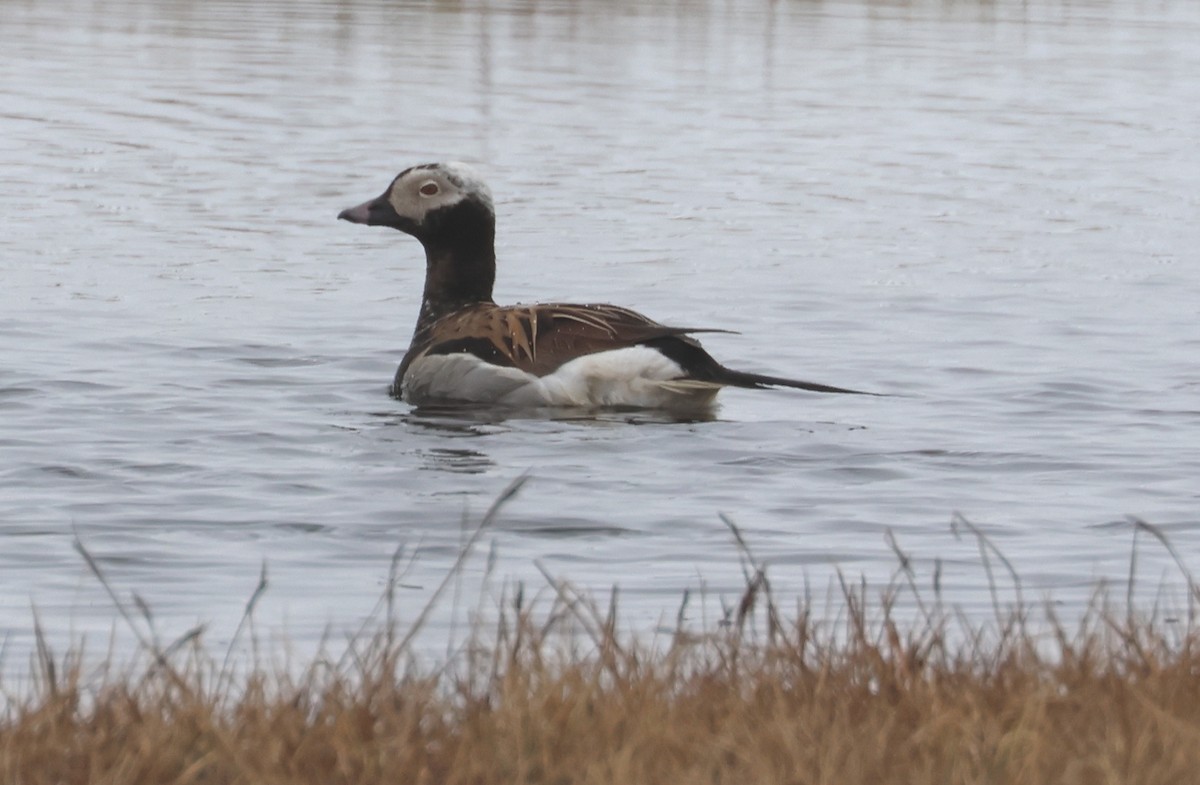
[[986, 209]]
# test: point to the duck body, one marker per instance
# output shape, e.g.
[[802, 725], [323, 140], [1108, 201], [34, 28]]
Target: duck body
[[468, 349], [637, 377], [552, 355]]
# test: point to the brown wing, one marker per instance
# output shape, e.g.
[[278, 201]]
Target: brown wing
[[540, 338]]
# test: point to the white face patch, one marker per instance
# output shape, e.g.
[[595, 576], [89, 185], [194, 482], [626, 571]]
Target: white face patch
[[423, 189]]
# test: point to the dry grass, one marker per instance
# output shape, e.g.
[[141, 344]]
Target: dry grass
[[553, 694]]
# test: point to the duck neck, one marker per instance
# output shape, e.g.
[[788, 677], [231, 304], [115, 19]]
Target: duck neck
[[460, 259], [457, 275]]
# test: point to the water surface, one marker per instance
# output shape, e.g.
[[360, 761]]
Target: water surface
[[987, 210]]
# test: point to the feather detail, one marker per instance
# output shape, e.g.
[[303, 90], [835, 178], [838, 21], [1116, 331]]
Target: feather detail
[[565, 355], [537, 338], [688, 386]]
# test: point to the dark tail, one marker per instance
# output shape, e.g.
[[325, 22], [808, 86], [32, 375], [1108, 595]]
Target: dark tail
[[758, 381], [699, 364]]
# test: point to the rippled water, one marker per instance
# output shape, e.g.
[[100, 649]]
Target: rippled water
[[988, 210]]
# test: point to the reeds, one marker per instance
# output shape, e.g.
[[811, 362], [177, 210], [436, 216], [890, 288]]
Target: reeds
[[553, 691]]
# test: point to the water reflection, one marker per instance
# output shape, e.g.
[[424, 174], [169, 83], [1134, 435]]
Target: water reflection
[[463, 418], [456, 461]]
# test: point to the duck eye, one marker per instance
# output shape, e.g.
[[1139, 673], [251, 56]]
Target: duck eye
[[429, 189]]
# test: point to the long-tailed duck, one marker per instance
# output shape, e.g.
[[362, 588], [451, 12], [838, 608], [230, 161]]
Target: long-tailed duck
[[468, 349]]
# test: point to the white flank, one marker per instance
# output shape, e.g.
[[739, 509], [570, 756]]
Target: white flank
[[460, 377], [636, 377]]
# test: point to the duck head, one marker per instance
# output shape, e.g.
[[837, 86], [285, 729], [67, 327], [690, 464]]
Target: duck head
[[428, 201], [448, 208]]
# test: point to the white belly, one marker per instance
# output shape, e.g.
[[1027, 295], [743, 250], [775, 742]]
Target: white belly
[[637, 376]]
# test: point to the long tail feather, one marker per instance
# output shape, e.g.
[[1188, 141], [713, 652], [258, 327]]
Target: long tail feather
[[755, 380]]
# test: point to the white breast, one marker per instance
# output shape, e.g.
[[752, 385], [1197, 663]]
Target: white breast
[[637, 376]]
